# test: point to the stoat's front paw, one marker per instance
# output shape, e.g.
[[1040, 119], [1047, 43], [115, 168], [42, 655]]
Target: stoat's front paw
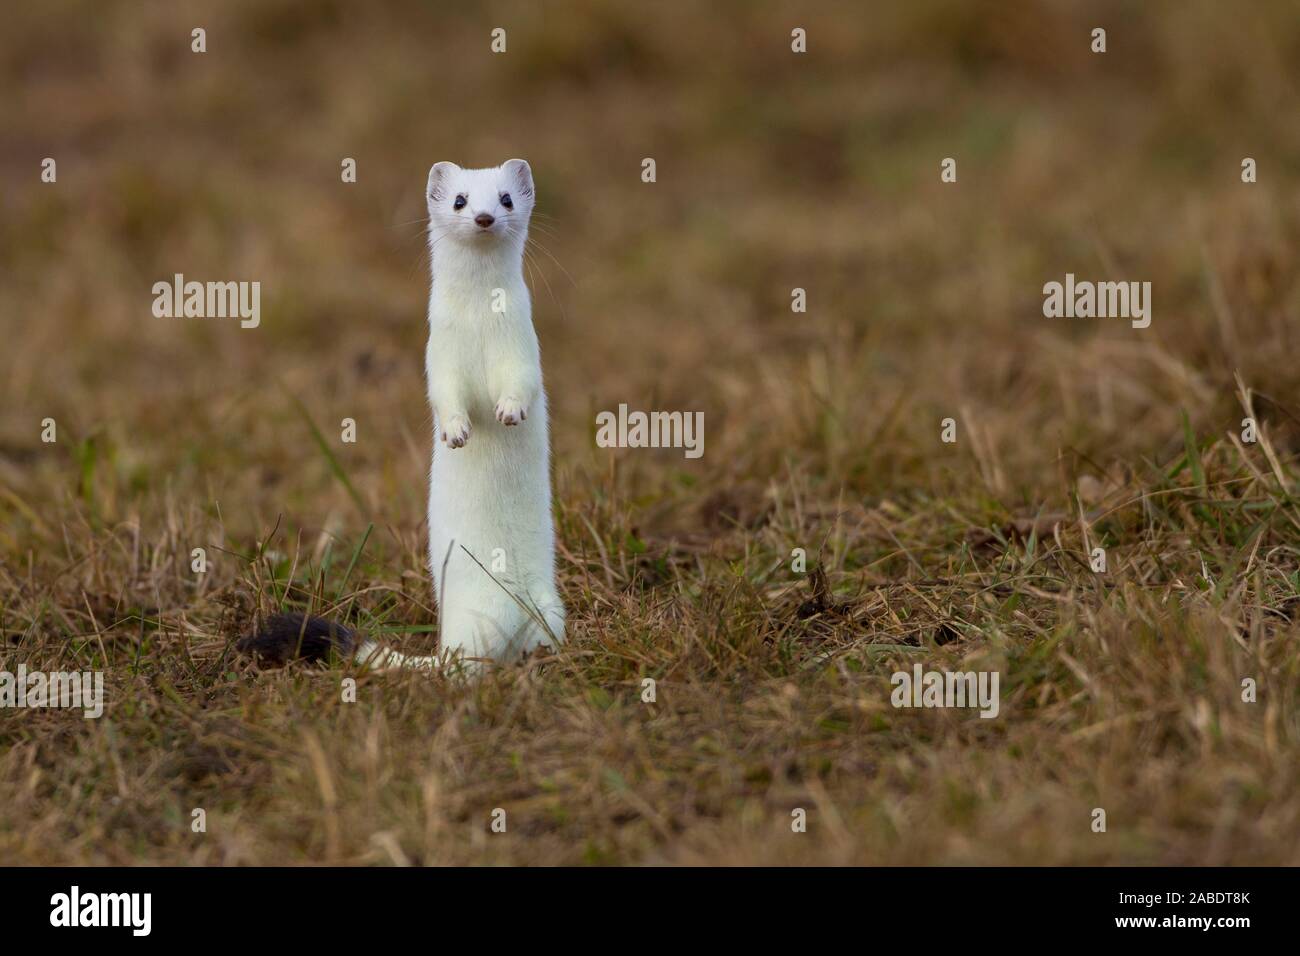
[[511, 411], [456, 431]]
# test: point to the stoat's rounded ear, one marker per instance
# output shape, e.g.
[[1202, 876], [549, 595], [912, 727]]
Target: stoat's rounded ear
[[521, 174], [439, 176]]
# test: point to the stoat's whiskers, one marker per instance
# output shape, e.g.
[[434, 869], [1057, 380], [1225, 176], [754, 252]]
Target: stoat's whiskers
[[530, 261]]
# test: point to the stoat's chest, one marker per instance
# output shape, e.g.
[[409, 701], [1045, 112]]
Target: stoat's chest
[[474, 295], [481, 339]]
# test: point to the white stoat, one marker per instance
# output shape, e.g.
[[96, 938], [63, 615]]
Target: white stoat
[[491, 536]]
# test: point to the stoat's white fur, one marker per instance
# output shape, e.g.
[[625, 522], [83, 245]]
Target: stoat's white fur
[[491, 536]]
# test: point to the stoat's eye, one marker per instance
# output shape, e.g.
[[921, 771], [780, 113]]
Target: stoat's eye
[[506, 201], [459, 203]]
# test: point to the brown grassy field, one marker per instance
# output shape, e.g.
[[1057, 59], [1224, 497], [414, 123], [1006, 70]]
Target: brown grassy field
[[775, 171]]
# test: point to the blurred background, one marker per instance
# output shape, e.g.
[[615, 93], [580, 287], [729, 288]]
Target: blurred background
[[775, 171]]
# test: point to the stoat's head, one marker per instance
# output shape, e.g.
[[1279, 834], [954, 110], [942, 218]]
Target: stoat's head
[[480, 205]]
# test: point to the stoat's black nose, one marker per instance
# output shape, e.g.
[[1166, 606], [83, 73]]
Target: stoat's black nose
[[484, 220]]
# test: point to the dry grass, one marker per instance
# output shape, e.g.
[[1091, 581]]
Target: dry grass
[[1120, 691]]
